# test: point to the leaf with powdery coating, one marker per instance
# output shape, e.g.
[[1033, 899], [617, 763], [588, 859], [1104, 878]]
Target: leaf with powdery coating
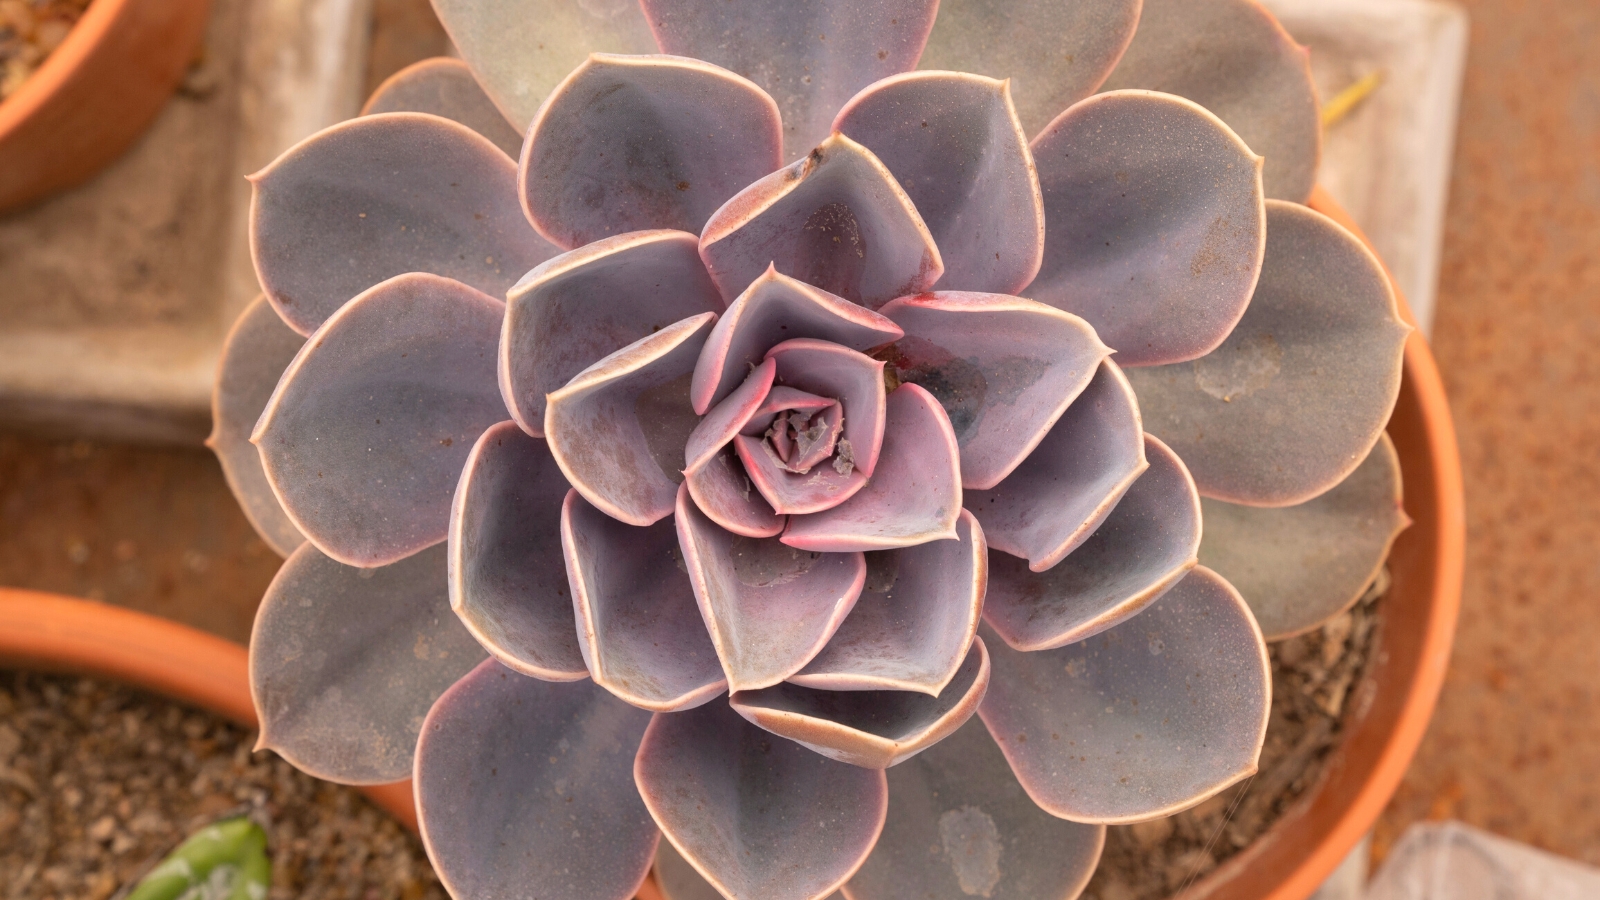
[[1054, 52], [365, 436], [1004, 368], [618, 429], [773, 309], [874, 729], [345, 662], [914, 620], [633, 142], [1156, 224], [811, 56], [1290, 404], [507, 582], [1141, 721], [960, 826], [679, 881], [953, 142], [769, 608], [1144, 547], [588, 303], [913, 497], [1063, 491], [834, 372], [730, 415], [641, 631], [258, 348], [379, 196], [1233, 58], [522, 782], [835, 219], [442, 86], [521, 49], [1300, 566], [760, 817]]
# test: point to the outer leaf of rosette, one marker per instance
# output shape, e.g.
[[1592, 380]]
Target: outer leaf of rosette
[[523, 782], [366, 434], [345, 662], [1233, 58], [1299, 566], [1146, 545], [1292, 401], [1156, 224], [812, 57], [588, 303], [640, 142], [379, 196], [759, 817], [639, 627], [768, 607], [678, 879], [836, 219], [961, 826], [1140, 721], [507, 575], [1004, 368], [773, 309], [520, 50], [1061, 493], [1067, 49], [953, 142], [258, 348], [445, 87], [618, 428], [915, 619], [874, 729]]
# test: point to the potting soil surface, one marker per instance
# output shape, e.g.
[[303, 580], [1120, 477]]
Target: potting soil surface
[[31, 30], [99, 781]]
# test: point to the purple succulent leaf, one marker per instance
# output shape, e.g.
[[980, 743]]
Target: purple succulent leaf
[[520, 51], [383, 195], [507, 581], [1063, 491], [836, 372], [618, 429], [1068, 48], [914, 621], [678, 879], [731, 414], [773, 309], [812, 57], [365, 437], [769, 608], [591, 302], [779, 400], [1004, 368], [789, 493], [257, 350], [960, 826], [1297, 395], [523, 782], [445, 87], [1144, 547], [953, 142], [759, 817], [627, 143], [913, 497], [1140, 721], [1156, 224], [345, 662], [872, 729], [723, 491], [641, 631], [1300, 566], [1233, 58], [836, 219]]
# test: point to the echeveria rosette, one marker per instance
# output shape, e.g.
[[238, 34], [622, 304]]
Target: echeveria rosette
[[806, 513]]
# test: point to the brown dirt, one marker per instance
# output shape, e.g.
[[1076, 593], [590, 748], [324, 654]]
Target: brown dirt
[[30, 30], [98, 782], [1312, 676]]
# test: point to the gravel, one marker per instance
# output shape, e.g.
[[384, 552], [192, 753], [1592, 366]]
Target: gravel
[[31, 30]]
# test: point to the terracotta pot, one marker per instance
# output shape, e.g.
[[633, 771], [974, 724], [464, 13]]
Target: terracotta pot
[[95, 94]]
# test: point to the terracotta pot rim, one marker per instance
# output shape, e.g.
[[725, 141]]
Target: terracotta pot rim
[[91, 32]]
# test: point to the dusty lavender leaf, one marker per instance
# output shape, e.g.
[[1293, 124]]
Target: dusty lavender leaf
[[442, 86]]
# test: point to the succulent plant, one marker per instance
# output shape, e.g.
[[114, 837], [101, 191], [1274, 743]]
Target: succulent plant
[[813, 422]]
